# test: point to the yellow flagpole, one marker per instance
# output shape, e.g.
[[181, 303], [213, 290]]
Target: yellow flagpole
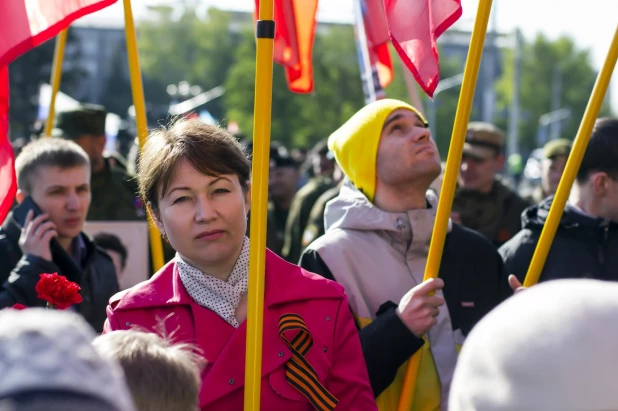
[[453, 162], [265, 31], [572, 165], [56, 76], [156, 246]]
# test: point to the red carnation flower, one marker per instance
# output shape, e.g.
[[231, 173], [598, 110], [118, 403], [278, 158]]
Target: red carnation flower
[[19, 306], [59, 292]]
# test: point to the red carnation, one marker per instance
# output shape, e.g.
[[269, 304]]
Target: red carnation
[[59, 292], [19, 306]]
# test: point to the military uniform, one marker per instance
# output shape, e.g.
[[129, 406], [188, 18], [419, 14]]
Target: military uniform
[[114, 192], [496, 214], [298, 217], [315, 223]]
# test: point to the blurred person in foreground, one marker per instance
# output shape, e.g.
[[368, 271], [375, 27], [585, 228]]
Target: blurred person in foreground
[[482, 201], [378, 231], [48, 364], [549, 348], [586, 242], [161, 376], [195, 179]]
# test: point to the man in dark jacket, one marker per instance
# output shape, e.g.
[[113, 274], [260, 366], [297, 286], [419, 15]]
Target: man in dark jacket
[[377, 237], [586, 243], [55, 173]]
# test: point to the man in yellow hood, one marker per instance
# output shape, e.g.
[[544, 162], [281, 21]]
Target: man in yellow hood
[[376, 242]]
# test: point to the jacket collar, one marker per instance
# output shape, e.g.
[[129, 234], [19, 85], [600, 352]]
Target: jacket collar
[[284, 283]]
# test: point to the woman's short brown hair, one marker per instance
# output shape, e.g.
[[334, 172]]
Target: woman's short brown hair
[[210, 149]]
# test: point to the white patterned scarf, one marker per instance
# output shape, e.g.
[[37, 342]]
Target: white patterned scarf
[[210, 292]]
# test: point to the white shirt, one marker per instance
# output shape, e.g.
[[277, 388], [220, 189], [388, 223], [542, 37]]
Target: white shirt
[[210, 292]]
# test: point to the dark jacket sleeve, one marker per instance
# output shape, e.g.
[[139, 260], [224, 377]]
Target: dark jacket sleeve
[[517, 254], [20, 287], [387, 342]]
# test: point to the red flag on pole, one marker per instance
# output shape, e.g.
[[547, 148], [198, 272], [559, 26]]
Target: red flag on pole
[[293, 47], [376, 29], [8, 182], [414, 27], [24, 24]]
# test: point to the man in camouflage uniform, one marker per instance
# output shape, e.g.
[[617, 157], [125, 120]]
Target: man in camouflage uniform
[[482, 202], [555, 155], [323, 165], [114, 192]]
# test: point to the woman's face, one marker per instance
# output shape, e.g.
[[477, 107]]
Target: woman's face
[[204, 217]]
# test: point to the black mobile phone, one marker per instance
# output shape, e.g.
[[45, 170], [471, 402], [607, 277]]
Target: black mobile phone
[[21, 211], [59, 255]]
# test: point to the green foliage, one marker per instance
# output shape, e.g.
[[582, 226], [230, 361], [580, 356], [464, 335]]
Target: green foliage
[[541, 60], [220, 50]]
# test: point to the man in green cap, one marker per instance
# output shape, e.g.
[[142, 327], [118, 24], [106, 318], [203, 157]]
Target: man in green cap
[[482, 202], [555, 155], [114, 192]]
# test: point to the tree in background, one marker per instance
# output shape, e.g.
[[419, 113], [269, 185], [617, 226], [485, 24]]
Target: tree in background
[[186, 48], [219, 49], [541, 60], [300, 120]]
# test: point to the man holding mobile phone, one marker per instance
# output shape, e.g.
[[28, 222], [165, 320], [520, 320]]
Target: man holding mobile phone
[[44, 234]]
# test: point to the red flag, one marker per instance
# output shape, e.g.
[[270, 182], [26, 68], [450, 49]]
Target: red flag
[[293, 47], [8, 182], [414, 27], [376, 30], [24, 24]]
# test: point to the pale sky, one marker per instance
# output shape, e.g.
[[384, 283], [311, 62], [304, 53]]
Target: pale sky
[[592, 25]]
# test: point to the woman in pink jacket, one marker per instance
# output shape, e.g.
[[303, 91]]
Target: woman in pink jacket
[[195, 181]]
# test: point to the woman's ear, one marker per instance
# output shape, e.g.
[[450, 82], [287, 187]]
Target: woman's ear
[[248, 197], [154, 216]]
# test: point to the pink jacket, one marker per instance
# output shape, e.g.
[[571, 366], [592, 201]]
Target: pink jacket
[[336, 353]]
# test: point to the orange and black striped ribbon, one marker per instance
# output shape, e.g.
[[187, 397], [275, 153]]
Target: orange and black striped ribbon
[[298, 372]]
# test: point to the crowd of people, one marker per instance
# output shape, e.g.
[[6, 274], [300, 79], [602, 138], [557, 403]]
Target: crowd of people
[[346, 309]]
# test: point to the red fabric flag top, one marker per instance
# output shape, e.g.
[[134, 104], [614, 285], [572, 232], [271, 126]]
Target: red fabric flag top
[[25, 24], [8, 182], [293, 45], [376, 29], [414, 27]]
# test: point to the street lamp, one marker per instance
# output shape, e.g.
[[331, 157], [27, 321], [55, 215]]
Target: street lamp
[[550, 118], [182, 90], [445, 84]]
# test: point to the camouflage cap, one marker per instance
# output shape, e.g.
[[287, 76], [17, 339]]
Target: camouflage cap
[[87, 119], [483, 140], [558, 147]]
